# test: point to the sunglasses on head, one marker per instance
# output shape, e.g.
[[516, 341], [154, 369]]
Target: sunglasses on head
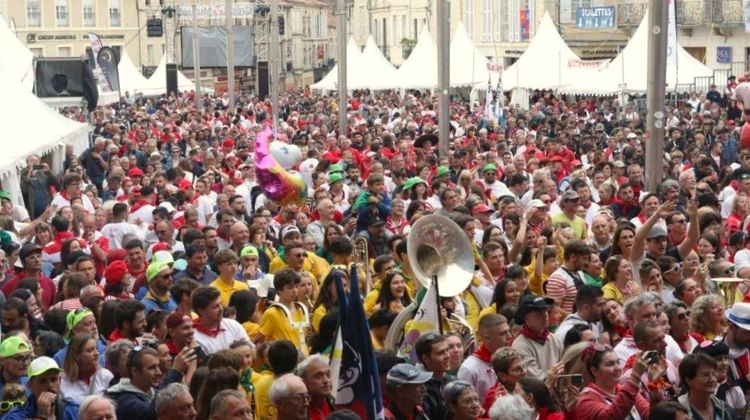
[[9, 405]]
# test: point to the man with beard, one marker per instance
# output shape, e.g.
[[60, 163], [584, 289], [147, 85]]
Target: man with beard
[[316, 374], [130, 318], [589, 305]]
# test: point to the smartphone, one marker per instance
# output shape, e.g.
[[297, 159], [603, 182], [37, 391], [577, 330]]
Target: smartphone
[[37, 167], [652, 356], [565, 381]]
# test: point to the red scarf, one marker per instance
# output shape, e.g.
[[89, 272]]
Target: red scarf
[[623, 331], [531, 335], [205, 330], [483, 354], [140, 203]]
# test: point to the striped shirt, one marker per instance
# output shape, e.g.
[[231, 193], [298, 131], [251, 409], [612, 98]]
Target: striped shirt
[[562, 288]]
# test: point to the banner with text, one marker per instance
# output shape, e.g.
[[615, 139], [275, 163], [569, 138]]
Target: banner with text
[[239, 11], [671, 35], [596, 17]]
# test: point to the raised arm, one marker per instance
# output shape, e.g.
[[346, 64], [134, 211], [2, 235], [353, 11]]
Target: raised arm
[[694, 233], [640, 235]]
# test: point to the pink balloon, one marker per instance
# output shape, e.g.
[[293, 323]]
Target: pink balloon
[[277, 183]]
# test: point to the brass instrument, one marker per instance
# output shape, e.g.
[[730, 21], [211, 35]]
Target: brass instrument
[[436, 246], [461, 327], [362, 259], [728, 289]]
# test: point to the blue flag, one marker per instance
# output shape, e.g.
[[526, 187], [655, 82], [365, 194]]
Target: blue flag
[[358, 381]]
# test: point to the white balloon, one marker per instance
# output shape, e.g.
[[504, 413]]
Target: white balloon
[[288, 155]]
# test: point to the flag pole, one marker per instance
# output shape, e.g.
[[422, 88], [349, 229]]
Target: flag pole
[[437, 298]]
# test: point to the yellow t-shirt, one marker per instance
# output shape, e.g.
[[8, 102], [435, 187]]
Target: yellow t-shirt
[[264, 409], [492, 309], [313, 264], [473, 309], [276, 325], [317, 316], [251, 328], [371, 300], [577, 224], [226, 290], [613, 292]]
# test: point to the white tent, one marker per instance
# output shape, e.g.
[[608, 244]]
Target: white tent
[[157, 83], [468, 65], [628, 71], [32, 127], [419, 71], [547, 63], [380, 72], [16, 64], [353, 67], [131, 79]]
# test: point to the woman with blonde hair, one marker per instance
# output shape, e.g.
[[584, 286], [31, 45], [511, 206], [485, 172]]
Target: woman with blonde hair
[[82, 374], [707, 318]]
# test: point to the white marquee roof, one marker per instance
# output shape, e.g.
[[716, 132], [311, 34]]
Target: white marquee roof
[[16, 65], [419, 71], [380, 72], [353, 61], [468, 64], [157, 83]]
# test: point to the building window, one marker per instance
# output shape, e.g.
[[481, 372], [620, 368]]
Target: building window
[[38, 52], [115, 14], [89, 12], [404, 30], [501, 26], [486, 21], [64, 52], [33, 13], [150, 54], [469, 13], [61, 13]]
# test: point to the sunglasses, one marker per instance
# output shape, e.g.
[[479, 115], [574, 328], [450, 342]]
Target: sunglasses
[[683, 316], [675, 269], [729, 271], [9, 405]]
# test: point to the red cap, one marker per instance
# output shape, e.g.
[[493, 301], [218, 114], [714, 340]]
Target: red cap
[[161, 246], [228, 144], [118, 254], [136, 190], [134, 172], [184, 184], [115, 271], [480, 208], [556, 159], [575, 163]]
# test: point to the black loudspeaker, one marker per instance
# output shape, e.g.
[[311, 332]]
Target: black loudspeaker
[[263, 75], [171, 78]]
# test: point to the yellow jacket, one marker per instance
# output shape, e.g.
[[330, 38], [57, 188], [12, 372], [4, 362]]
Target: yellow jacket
[[313, 264]]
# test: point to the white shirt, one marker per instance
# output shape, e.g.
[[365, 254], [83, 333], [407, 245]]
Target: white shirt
[[78, 390], [145, 213], [61, 202], [115, 231], [231, 331]]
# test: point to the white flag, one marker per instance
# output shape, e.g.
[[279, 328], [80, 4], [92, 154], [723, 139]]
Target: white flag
[[425, 321], [671, 35]]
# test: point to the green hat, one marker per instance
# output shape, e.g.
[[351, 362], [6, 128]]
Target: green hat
[[335, 177], [13, 346], [5, 195], [42, 365], [249, 251], [336, 168], [412, 182], [155, 268], [489, 167], [443, 170], [75, 317]]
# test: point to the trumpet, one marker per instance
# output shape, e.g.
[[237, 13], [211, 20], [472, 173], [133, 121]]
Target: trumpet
[[362, 259], [728, 289]]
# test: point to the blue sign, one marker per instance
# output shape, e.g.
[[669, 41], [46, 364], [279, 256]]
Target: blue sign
[[723, 54], [596, 17]]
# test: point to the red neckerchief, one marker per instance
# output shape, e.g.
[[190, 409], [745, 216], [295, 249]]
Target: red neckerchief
[[202, 328], [531, 335], [630, 362], [64, 194], [86, 377], [642, 218], [623, 331], [675, 241], [140, 203], [483, 354], [172, 347], [60, 237]]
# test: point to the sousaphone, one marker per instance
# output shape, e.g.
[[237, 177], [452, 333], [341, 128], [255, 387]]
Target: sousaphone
[[436, 247]]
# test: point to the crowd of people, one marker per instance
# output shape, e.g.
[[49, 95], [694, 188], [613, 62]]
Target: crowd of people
[[152, 278]]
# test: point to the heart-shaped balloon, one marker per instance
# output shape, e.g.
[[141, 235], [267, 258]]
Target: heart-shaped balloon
[[288, 155]]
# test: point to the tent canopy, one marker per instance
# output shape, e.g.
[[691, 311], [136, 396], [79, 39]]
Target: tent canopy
[[17, 63], [157, 83], [419, 71], [131, 80], [547, 63], [380, 72], [353, 62], [627, 72], [468, 65]]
